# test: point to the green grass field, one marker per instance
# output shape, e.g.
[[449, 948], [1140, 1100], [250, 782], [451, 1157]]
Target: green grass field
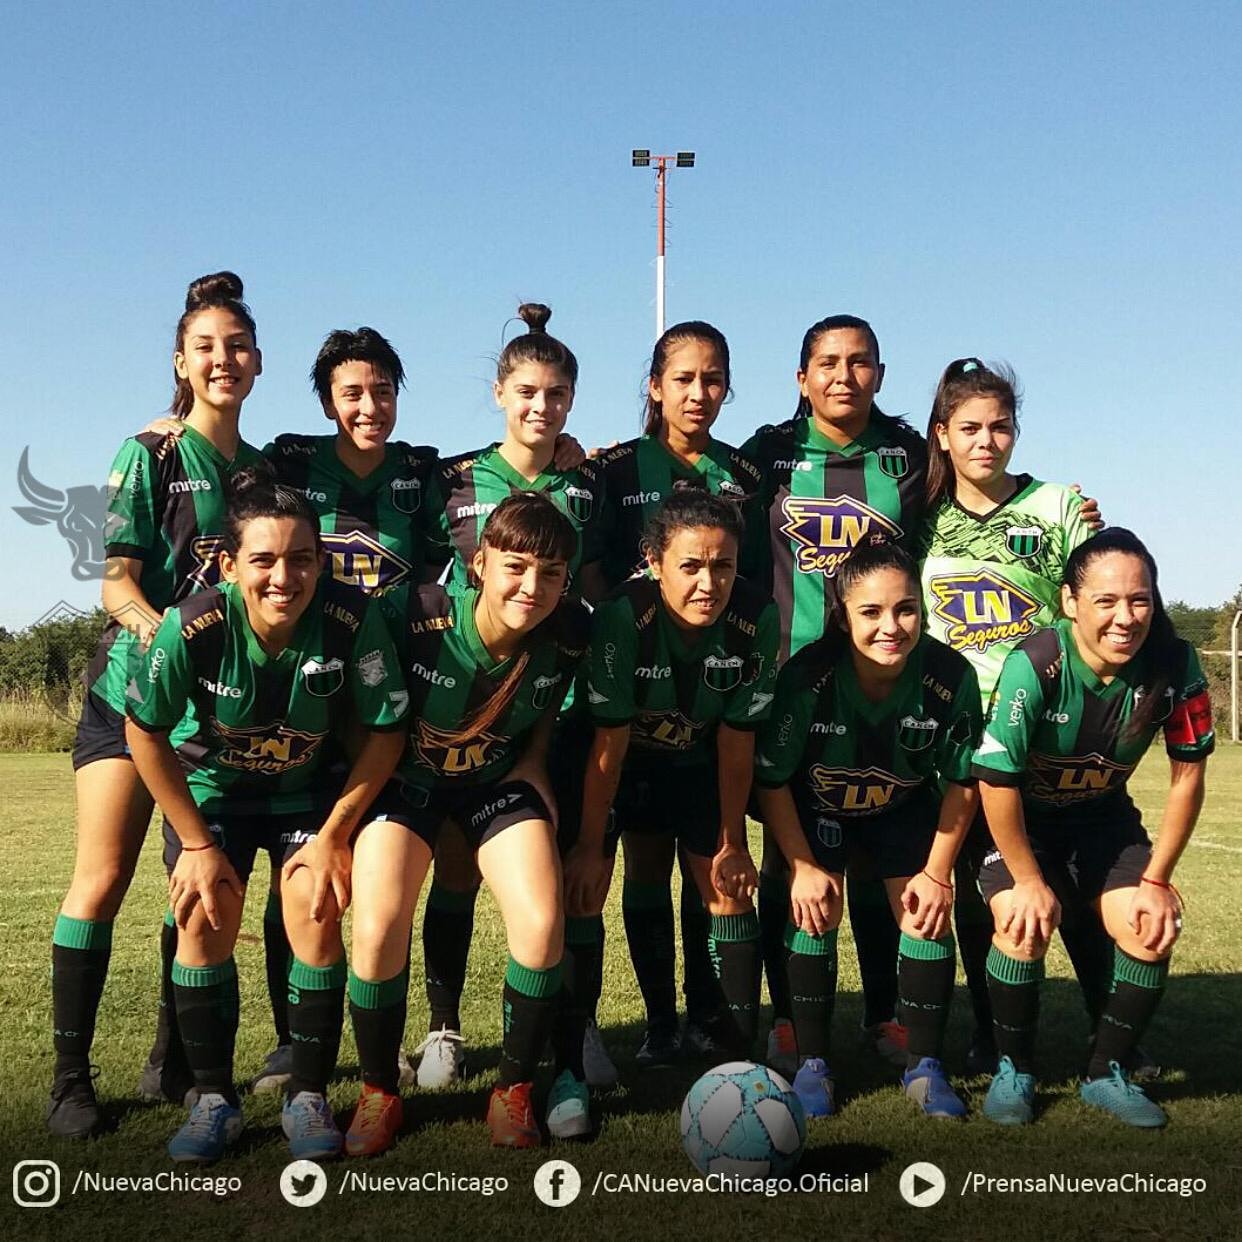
[[876, 1133]]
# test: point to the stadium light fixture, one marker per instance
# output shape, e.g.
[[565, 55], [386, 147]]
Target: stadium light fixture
[[641, 157]]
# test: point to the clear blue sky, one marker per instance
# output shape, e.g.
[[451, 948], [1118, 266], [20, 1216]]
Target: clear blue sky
[[1055, 184]]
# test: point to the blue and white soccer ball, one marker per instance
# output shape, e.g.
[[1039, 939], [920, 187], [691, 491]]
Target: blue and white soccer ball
[[743, 1119]]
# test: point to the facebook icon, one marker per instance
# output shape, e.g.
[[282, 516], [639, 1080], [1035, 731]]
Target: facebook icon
[[557, 1183]]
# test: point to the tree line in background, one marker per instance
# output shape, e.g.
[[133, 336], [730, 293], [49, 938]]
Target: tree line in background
[[42, 670]]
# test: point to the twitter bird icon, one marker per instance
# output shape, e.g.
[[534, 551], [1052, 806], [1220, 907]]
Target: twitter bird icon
[[303, 1183]]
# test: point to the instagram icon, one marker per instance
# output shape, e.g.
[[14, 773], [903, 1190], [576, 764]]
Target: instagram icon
[[36, 1183]]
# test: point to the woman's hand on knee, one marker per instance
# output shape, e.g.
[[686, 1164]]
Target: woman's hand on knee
[[195, 880], [928, 904], [1155, 917], [734, 874], [814, 898], [330, 865], [1034, 914]]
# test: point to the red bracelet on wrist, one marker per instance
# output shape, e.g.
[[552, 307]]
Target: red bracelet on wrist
[[932, 878], [1158, 883], [194, 849]]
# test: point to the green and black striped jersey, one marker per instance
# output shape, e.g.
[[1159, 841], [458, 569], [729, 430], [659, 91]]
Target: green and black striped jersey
[[166, 508], [672, 687], [991, 579], [451, 676], [250, 728], [375, 528], [845, 755], [818, 500], [640, 473], [1059, 732], [474, 484]]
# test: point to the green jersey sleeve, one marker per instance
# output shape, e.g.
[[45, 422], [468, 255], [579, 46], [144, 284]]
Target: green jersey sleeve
[[378, 685], [1189, 734], [1017, 704], [160, 692], [1073, 529], [782, 738], [958, 742], [131, 524], [613, 661], [750, 704]]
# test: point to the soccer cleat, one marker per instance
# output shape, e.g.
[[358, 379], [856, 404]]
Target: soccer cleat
[[814, 1087], [597, 1064], [511, 1118], [158, 1083], [928, 1087], [981, 1055], [659, 1048], [1011, 1097], [1116, 1094], [276, 1072], [697, 1040], [783, 1049], [569, 1112], [889, 1040], [213, 1124], [310, 1127], [406, 1076], [72, 1110], [376, 1124], [443, 1059]]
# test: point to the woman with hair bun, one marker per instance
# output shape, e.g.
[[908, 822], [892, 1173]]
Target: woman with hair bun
[[1076, 707], [163, 532], [242, 683]]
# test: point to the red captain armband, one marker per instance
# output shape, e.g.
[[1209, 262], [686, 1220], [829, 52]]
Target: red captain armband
[[1190, 722]]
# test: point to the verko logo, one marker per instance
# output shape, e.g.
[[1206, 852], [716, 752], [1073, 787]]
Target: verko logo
[[557, 1183]]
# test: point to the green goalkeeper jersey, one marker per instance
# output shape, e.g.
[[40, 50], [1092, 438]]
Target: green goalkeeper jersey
[[250, 728], [990, 580]]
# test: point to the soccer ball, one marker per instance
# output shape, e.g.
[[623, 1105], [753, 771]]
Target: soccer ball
[[744, 1119]]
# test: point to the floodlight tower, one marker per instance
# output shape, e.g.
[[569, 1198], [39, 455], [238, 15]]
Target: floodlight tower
[[641, 157]]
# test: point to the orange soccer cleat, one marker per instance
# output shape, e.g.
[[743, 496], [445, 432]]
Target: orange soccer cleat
[[511, 1118], [377, 1121]]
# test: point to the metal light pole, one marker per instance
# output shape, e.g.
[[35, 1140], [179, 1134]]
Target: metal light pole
[[642, 158]]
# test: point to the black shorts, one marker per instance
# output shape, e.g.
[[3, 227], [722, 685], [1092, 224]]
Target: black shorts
[[887, 846], [567, 760], [683, 802], [1078, 864], [242, 836], [101, 733], [480, 811]]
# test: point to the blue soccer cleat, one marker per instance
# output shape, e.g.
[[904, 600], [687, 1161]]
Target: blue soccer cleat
[[310, 1127], [813, 1085], [928, 1087], [213, 1124], [569, 1112], [1011, 1097], [1116, 1094]]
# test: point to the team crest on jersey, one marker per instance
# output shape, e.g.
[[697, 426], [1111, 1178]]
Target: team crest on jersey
[[732, 490], [894, 462], [358, 560], [1024, 541], [829, 832], [671, 730], [541, 691], [268, 749], [407, 494], [857, 791], [579, 501], [826, 529], [372, 668], [1066, 779], [723, 673], [915, 734], [982, 608], [205, 550], [437, 749], [323, 678]]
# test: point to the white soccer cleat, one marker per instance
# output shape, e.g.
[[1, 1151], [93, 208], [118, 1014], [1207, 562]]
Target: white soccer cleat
[[444, 1058], [596, 1063]]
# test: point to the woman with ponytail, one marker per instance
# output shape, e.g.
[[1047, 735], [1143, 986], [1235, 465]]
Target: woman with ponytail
[[1075, 708], [164, 529]]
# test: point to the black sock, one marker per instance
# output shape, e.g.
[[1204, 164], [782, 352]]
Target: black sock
[[773, 916], [277, 955], [1013, 985], [925, 970], [207, 1015], [1137, 989], [700, 986], [530, 1000], [736, 958], [973, 922], [316, 1010], [812, 988], [581, 969], [80, 952], [448, 928], [1090, 950], [875, 942], [648, 913], [377, 1010], [167, 1051]]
